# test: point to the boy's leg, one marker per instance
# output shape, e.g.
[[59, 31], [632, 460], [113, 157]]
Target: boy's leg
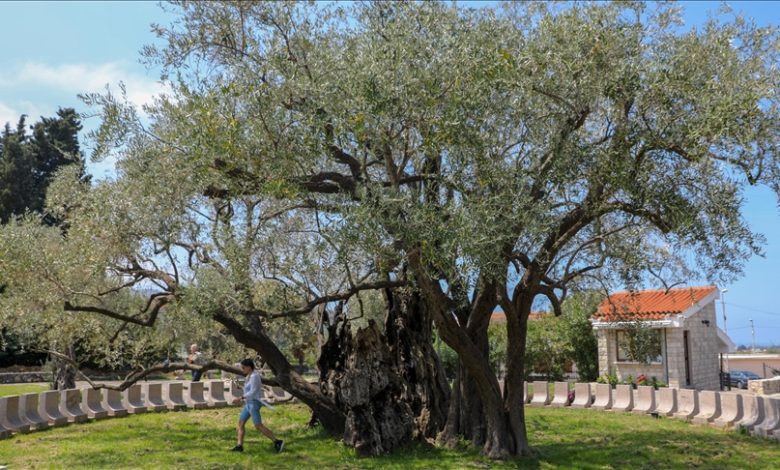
[[241, 431], [265, 431]]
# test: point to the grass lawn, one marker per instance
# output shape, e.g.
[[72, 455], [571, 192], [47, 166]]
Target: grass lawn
[[563, 438], [19, 389]]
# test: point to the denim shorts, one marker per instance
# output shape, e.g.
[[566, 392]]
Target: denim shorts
[[251, 408]]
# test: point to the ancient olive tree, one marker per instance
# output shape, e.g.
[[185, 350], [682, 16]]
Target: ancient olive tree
[[499, 157]]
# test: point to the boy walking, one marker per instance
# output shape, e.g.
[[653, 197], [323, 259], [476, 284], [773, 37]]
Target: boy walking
[[253, 389]]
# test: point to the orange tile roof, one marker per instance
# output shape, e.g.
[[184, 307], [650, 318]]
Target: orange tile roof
[[499, 316], [648, 305]]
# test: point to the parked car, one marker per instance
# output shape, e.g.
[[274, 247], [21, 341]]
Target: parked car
[[739, 378]]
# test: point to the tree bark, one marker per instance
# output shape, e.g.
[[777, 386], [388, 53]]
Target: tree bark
[[64, 374]]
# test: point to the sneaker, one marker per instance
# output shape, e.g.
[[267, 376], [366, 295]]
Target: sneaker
[[278, 445], [237, 449]]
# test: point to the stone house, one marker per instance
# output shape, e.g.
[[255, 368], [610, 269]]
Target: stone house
[[681, 336]]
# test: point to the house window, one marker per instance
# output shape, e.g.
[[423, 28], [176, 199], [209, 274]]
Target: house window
[[639, 345]]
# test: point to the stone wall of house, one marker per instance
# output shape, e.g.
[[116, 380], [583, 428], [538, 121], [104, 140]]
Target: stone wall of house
[[608, 360], [705, 366]]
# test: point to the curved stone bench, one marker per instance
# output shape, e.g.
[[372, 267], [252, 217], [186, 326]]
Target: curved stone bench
[[49, 408], [133, 401], [709, 407], [771, 422], [10, 415], [624, 398], [112, 402], [70, 406], [541, 395], [687, 404], [216, 395], [153, 398], [645, 399], [29, 405], [196, 398], [667, 401], [603, 399], [560, 394], [582, 397], [173, 395], [753, 414], [731, 410], [92, 404]]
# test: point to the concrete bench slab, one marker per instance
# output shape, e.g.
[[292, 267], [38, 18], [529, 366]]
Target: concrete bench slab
[[603, 397], [582, 398], [112, 402], [132, 399], [709, 407], [753, 412], [11, 414], [644, 399], [70, 406], [526, 393], [667, 401], [92, 404], [29, 405], [234, 391], [541, 395], [196, 398], [49, 408], [153, 397], [771, 422], [687, 404], [216, 393], [731, 410], [4, 433], [560, 394], [173, 395], [624, 398]]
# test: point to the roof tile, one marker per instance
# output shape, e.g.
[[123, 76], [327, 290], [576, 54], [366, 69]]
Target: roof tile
[[650, 305]]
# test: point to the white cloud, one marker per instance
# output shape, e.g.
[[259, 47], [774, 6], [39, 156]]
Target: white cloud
[[83, 78], [7, 114]]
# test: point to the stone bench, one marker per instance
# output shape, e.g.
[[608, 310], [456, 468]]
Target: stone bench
[[526, 393], [11, 415], [92, 404], [173, 396], [644, 399], [709, 407], [731, 410], [28, 406], [771, 422], [541, 395], [560, 394], [234, 391], [112, 402], [153, 397], [49, 408], [624, 398], [582, 397], [603, 398], [133, 401], [216, 395], [687, 404], [753, 412], [70, 406], [667, 401], [196, 398]]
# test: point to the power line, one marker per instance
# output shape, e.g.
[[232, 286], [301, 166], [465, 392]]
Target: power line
[[753, 309]]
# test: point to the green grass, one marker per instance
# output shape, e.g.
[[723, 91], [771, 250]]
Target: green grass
[[19, 389], [562, 438]]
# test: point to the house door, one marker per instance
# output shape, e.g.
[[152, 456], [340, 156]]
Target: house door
[[687, 354]]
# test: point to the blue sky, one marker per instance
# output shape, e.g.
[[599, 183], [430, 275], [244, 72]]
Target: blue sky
[[54, 50]]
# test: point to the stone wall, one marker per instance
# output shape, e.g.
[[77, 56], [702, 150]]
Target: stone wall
[[764, 386], [24, 377], [705, 366]]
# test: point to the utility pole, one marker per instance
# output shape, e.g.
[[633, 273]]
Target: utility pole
[[725, 330], [753, 332]]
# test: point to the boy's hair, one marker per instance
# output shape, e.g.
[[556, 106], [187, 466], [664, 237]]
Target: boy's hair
[[248, 363]]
